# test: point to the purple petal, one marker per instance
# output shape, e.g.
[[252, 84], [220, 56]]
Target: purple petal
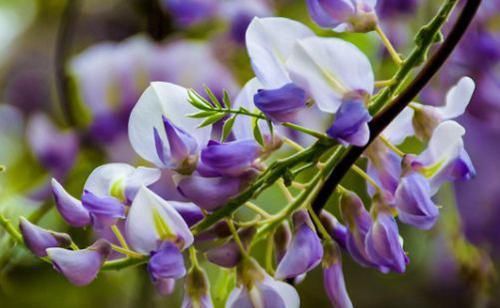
[[351, 124], [384, 246], [414, 203], [37, 239], [232, 158], [320, 16], [303, 254], [181, 143], [227, 255], [165, 286], [334, 283], [189, 212], [336, 230], [166, 263], [283, 104], [104, 210], [210, 193], [80, 267], [71, 209]]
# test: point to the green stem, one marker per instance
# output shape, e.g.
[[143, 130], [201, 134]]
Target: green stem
[[425, 38], [275, 171], [14, 233], [123, 263]]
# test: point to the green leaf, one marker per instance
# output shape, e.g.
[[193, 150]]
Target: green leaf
[[227, 100], [212, 119], [198, 101], [228, 127], [202, 114], [257, 134], [213, 98]]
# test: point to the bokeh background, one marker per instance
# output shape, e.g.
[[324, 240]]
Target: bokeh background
[[70, 71]]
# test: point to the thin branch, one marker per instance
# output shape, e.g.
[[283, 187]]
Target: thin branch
[[382, 120], [63, 45]]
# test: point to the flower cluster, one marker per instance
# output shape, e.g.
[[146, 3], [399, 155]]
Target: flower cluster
[[213, 153]]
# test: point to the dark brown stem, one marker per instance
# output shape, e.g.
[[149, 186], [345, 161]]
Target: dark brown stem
[[389, 113], [62, 49]]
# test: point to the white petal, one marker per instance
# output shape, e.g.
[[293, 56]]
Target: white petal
[[140, 225], [329, 68], [400, 128], [167, 99], [457, 99], [141, 176], [269, 43], [102, 179], [445, 144]]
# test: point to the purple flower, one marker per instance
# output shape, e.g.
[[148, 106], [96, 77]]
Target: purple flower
[[344, 15], [152, 221], [384, 245], [390, 8], [37, 239], [166, 263], [413, 202], [190, 12], [229, 254], [305, 251], [384, 166], [211, 193], [229, 159], [282, 240], [105, 211], [351, 123], [336, 230], [181, 153], [80, 267], [70, 208], [56, 150], [333, 278], [359, 222], [282, 104], [189, 212]]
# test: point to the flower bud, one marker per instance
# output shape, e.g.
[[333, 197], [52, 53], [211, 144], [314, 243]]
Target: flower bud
[[333, 277], [282, 239], [164, 286], [425, 120], [383, 244], [414, 203], [197, 290], [70, 208], [336, 230], [37, 239], [359, 222], [305, 250], [229, 255], [80, 267], [282, 104]]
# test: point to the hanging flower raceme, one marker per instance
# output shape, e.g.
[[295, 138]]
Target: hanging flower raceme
[[344, 15]]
